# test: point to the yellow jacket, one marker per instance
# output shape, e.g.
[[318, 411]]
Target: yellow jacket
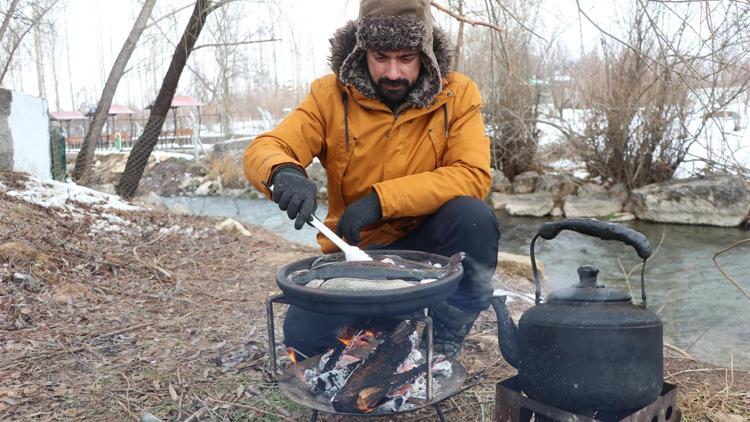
[[406, 158]]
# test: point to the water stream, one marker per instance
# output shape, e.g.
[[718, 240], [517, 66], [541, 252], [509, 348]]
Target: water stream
[[703, 313]]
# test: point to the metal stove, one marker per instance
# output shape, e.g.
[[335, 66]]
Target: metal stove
[[511, 405]]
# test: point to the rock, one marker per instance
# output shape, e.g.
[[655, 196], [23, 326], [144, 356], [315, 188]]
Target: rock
[[715, 201], [559, 185], [500, 183], [204, 189], [525, 182], [588, 189], [107, 188], [232, 226], [530, 204], [622, 217], [323, 193], [317, 173], [556, 212], [28, 282], [619, 191], [499, 200], [154, 201], [519, 265], [596, 205]]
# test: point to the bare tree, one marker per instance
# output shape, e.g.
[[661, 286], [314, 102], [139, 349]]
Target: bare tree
[[142, 149], [85, 156], [16, 26]]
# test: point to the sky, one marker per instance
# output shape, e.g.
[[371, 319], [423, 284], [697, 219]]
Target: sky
[[96, 30]]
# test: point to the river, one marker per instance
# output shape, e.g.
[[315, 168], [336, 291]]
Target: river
[[703, 313]]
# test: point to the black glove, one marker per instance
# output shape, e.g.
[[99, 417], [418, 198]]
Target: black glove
[[360, 213], [451, 327], [295, 194]]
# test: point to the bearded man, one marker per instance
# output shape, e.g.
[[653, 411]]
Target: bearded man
[[402, 141]]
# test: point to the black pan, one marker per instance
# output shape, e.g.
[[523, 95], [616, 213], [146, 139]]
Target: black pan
[[379, 303]]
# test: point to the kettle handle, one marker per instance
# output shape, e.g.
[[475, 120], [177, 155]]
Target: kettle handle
[[601, 229]]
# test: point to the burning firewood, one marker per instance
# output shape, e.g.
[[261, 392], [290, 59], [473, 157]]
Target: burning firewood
[[373, 379]]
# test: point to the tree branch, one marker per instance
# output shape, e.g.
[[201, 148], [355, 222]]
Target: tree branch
[[460, 18], [236, 43]]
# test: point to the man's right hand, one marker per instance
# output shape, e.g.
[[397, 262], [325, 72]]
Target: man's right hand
[[295, 194]]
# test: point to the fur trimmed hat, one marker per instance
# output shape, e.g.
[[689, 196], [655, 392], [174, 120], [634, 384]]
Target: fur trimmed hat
[[392, 25]]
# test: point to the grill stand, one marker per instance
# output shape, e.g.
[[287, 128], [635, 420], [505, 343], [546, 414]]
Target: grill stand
[[416, 316], [511, 405]]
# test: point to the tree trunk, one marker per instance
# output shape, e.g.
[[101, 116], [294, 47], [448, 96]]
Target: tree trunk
[[8, 16], [138, 157], [86, 155], [41, 86], [460, 37]]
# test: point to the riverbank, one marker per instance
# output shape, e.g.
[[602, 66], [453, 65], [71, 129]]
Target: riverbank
[[108, 312]]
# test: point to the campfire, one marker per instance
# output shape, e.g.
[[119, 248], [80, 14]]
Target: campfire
[[375, 371]]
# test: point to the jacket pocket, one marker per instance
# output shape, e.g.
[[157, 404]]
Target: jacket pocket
[[437, 137]]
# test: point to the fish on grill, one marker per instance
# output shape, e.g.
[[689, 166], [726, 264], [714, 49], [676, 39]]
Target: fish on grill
[[375, 271]]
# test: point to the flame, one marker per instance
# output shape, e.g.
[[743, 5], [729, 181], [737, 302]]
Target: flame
[[292, 355], [366, 399], [345, 341]]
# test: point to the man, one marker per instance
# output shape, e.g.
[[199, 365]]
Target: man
[[402, 141]]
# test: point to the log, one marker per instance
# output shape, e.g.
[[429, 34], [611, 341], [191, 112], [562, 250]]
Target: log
[[375, 377]]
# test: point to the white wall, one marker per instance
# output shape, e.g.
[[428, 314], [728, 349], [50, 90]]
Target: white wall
[[29, 128]]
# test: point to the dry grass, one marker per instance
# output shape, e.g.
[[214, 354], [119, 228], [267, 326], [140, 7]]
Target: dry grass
[[229, 169], [172, 322]]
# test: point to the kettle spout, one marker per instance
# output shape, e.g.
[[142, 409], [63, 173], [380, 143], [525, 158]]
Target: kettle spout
[[507, 332]]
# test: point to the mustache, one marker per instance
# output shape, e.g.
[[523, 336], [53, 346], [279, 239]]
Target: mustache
[[393, 82]]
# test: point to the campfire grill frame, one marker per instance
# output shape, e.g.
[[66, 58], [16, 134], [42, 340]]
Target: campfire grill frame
[[416, 316]]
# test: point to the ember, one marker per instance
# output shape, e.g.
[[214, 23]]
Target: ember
[[292, 355], [373, 371]]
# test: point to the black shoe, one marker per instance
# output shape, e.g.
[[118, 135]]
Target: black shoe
[[451, 326]]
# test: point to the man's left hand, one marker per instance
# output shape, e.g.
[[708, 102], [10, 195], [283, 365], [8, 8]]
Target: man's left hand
[[359, 214]]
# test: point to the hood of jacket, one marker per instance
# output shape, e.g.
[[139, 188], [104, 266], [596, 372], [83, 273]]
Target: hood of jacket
[[392, 25]]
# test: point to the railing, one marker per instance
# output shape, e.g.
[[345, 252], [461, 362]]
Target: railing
[[130, 129]]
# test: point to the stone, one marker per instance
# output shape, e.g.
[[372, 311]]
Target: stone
[[499, 200], [323, 193], [588, 189], [596, 205], [619, 191], [557, 212], [559, 185], [715, 201], [317, 173], [622, 217], [204, 189], [530, 204], [154, 201], [231, 226], [525, 182], [500, 183], [519, 265]]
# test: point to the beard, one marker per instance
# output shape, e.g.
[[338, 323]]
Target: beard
[[393, 92]]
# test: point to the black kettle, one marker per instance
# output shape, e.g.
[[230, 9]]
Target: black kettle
[[587, 347]]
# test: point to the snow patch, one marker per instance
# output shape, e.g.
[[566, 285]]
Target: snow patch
[[53, 194]]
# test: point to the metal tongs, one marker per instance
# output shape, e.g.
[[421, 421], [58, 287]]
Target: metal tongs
[[351, 253]]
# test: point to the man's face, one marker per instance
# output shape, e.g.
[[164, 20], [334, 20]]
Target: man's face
[[393, 73]]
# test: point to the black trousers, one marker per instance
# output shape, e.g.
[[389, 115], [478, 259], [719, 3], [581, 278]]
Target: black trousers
[[463, 224]]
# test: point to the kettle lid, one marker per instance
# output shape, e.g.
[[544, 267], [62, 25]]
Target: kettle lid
[[588, 290]]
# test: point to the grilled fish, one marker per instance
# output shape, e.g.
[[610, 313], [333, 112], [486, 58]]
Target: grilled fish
[[374, 270], [363, 285]]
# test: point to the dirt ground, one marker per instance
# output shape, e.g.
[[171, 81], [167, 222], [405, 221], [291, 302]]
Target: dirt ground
[[167, 317]]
